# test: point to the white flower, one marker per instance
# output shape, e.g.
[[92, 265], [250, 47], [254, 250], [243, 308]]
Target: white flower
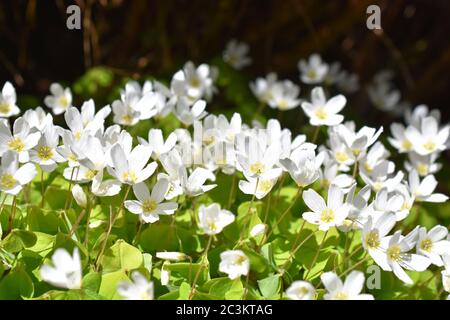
[[330, 175], [157, 144], [433, 244], [326, 215], [194, 185], [236, 54], [349, 290], [284, 96], [234, 263], [380, 177], [314, 70], [359, 141], [212, 219], [357, 204], [374, 234], [38, 118], [302, 166], [13, 178], [343, 80], [45, 152], [79, 196], [262, 87], [59, 100], [171, 256], [261, 186], [257, 159], [423, 190], [131, 168], [383, 97], [399, 140], [424, 165], [8, 99], [258, 229], [86, 122], [20, 141], [446, 273], [301, 290], [194, 83], [323, 112], [150, 206], [139, 289], [397, 257], [124, 114], [415, 117], [430, 138], [66, 270], [171, 162], [188, 114]]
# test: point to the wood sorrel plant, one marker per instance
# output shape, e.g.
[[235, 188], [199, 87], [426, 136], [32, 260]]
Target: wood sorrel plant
[[218, 209]]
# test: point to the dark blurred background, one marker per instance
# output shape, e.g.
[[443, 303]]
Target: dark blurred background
[[136, 38]]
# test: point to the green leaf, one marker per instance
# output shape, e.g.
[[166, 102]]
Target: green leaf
[[92, 281], [270, 286], [108, 286], [121, 256], [16, 285], [18, 240], [44, 244]]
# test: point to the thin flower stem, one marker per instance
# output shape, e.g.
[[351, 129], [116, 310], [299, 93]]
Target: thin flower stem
[[316, 255], [42, 189], [77, 223], [247, 216], [3, 203], [294, 249], [355, 170], [316, 134], [200, 268], [232, 191], [138, 233], [354, 266], [70, 189], [244, 294], [113, 218], [283, 177], [12, 215], [280, 219], [348, 243]]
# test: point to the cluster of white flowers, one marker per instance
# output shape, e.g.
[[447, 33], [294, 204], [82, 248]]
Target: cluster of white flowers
[[364, 190]]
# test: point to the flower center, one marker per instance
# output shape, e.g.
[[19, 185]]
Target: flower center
[[127, 119], [302, 292], [195, 82], [129, 176], [321, 114], [341, 156], [265, 185], [5, 107], [327, 215], [77, 135], [373, 239], [429, 145], [406, 144], [45, 153], [394, 252], [283, 104], [90, 174], [426, 245], [63, 102], [7, 181], [16, 145], [312, 74], [341, 296], [377, 186], [257, 168], [368, 167], [149, 205], [422, 169]]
